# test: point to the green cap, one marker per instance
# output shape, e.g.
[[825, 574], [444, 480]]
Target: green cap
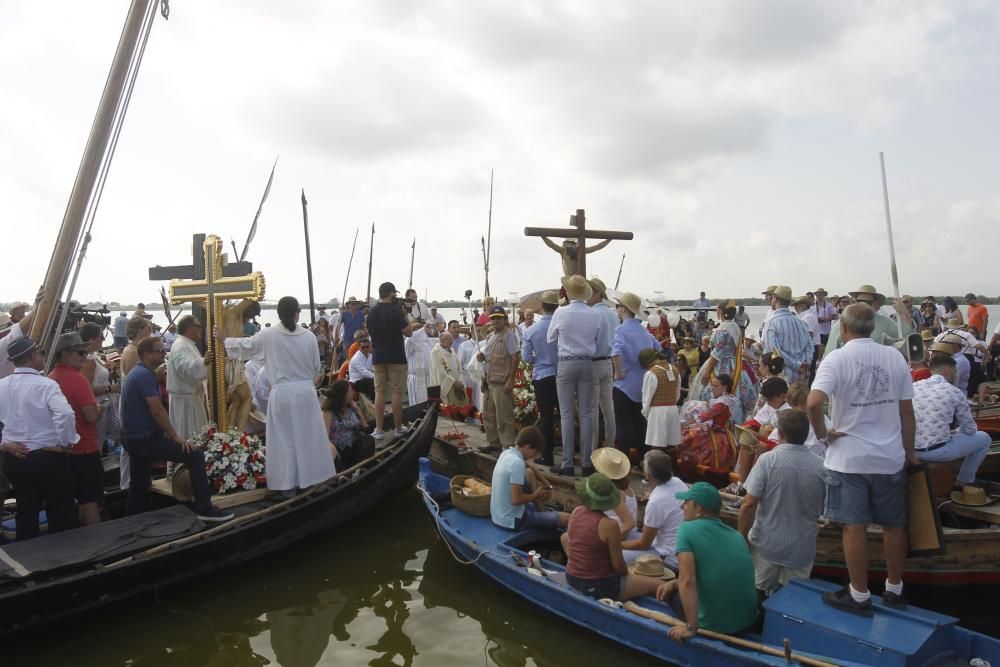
[[703, 494]]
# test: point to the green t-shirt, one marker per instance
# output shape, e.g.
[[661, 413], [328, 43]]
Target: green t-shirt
[[727, 599]]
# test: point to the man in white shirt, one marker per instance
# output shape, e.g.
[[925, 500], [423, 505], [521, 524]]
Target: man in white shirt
[[868, 448], [21, 327], [169, 335], [575, 328], [936, 405], [529, 319], [39, 430], [604, 370], [438, 319], [360, 372]]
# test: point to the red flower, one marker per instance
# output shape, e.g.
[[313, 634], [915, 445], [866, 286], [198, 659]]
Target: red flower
[[226, 448], [211, 432], [241, 480], [261, 479], [243, 440]]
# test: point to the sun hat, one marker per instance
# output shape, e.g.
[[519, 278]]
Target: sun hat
[[704, 494], [769, 290], [351, 300], [955, 323], [970, 495], [18, 304], [598, 286], [647, 356], [497, 311], [457, 396], [577, 287], [783, 292], [927, 335], [946, 347], [20, 347], [820, 291], [648, 565], [800, 299], [551, 297], [598, 492], [953, 339], [69, 341], [631, 302], [746, 436], [611, 462], [870, 290]]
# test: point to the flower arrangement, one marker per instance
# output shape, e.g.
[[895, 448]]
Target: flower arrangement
[[234, 461], [525, 408]]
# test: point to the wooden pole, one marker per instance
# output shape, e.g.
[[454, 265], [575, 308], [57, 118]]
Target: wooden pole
[[309, 267], [371, 253], [892, 246], [620, 267], [350, 263], [488, 246], [87, 174], [666, 619], [413, 254]]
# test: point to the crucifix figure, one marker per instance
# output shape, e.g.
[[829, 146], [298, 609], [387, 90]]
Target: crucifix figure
[[574, 249], [226, 380]]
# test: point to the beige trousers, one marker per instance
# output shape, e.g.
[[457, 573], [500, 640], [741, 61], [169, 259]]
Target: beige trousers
[[498, 416]]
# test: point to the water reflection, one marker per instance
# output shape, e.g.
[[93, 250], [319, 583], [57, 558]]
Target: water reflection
[[300, 635]]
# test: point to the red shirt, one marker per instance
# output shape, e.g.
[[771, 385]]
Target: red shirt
[[76, 388]]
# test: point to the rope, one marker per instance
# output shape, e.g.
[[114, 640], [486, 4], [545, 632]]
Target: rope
[[437, 523]]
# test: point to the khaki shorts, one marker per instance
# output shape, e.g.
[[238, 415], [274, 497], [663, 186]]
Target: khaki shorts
[[393, 374], [769, 577]]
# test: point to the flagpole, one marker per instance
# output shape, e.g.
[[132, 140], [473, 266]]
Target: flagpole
[[892, 247], [371, 253], [350, 263], [260, 207], [413, 253], [309, 267]]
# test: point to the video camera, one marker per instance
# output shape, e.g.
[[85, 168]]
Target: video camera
[[75, 314]]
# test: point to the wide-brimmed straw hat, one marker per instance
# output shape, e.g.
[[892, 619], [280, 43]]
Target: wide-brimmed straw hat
[[577, 287], [457, 396], [769, 290], [953, 339], [800, 299], [783, 292], [746, 436], [551, 297], [598, 286], [611, 462], [180, 484], [946, 347], [820, 291], [972, 496], [351, 300], [631, 301], [598, 492], [870, 290], [648, 565], [927, 335], [955, 323]]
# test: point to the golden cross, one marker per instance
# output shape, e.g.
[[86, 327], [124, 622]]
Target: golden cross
[[210, 293]]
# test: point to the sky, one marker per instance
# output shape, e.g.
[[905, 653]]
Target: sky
[[737, 140]]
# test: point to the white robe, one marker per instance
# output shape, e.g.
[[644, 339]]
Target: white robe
[[298, 448], [186, 375], [418, 352], [472, 373], [445, 371]]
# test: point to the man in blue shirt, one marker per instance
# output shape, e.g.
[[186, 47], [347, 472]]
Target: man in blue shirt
[[544, 357], [148, 436], [351, 320], [704, 305], [630, 338], [120, 333], [516, 488]]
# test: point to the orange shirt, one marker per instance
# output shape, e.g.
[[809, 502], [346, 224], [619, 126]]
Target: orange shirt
[[977, 318]]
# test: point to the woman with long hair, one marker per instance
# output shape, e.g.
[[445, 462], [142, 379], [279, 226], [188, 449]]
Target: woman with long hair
[[726, 358], [345, 426]]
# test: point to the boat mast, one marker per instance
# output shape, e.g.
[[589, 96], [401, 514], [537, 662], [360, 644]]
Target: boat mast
[[309, 264], [110, 111], [488, 243], [892, 246], [371, 253]]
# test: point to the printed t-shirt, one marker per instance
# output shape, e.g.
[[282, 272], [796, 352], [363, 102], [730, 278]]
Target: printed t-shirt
[[664, 513], [386, 322], [727, 597], [78, 392], [865, 382], [508, 470], [137, 420]]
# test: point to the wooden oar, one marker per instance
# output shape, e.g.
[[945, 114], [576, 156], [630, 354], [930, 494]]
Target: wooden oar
[[666, 619]]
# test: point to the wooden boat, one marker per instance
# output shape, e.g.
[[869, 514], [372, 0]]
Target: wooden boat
[[797, 627], [971, 540], [58, 576]]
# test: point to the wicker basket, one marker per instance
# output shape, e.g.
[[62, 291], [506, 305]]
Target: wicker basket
[[474, 505]]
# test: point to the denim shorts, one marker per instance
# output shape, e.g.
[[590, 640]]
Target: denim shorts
[[533, 518], [606, 587], [856, 498]]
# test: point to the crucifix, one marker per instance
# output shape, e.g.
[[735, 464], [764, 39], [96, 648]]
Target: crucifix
[[210, 292], [574, 248]]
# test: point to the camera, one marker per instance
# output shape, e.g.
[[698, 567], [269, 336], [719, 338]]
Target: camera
[[468, 294], [75, 314]]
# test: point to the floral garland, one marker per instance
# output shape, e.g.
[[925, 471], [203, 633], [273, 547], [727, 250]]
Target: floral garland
[[234, 461], [525, 408]]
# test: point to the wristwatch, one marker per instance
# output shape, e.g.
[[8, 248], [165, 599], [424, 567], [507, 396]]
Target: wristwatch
[[692, 628]]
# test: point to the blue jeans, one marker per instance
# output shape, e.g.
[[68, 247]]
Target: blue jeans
[[972, 447], [575, 380], [143, 451]]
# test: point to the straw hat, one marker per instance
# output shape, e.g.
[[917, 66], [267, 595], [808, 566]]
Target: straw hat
[[577, 287], [800, 299], [769, 290], [955, 323], [611, 462], [648, 565], [632, 302], [351, 300], [598, 492], [783, 292], [927, 335], [180, 484], [258, 415], [972, 496], [551, 297], [953, 339], [820, 291], [746, 436], [870, 290], [946, 347], [457, 396], [598, 286]]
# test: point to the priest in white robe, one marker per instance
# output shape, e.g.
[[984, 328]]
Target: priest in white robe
[[187, 371], [418, 353], [467, 355], [445, 371], [299, 453]]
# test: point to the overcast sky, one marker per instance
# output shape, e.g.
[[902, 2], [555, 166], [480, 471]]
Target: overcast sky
[[738, 140]]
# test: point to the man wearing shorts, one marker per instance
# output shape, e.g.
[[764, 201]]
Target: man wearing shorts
[[387, 326], [868, 447], [516, 489]]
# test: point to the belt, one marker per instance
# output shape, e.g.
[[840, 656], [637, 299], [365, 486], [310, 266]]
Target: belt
[[599, 358], [581, 357], [660, 405], [932, 447]]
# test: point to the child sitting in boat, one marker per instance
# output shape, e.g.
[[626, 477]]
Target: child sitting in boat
[[774, 390], [518, 492], [595, 565]]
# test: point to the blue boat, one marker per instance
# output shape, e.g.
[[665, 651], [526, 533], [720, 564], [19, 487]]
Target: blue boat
[[795, 619]]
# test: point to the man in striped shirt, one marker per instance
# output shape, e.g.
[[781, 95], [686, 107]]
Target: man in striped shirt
[[789, 335]]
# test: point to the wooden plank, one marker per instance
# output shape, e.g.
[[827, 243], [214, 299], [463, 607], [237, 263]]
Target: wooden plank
[[162, 487], [572, 233]]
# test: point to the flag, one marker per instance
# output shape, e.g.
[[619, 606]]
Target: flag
[[253, 227]]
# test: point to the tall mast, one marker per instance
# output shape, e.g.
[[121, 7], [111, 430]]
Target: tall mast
[[309, 264], [489, 239], [371, 253]]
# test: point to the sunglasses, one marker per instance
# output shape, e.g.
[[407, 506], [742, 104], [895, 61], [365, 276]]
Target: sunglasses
[[82, 353]]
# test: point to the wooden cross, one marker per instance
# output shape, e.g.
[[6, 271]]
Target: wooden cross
[[196, 271], [580, 235], [210, 292]]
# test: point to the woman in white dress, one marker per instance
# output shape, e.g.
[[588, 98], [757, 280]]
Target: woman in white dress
[[298, 449]]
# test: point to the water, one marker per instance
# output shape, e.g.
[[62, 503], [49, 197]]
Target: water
[[383, 590]]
